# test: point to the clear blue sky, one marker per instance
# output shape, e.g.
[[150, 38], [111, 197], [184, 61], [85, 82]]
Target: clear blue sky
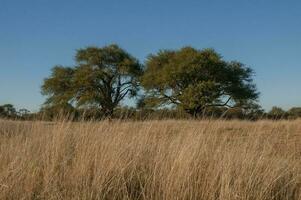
[[35, 35]]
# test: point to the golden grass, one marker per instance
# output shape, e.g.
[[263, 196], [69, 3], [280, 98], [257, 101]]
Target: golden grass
[[151, 160]]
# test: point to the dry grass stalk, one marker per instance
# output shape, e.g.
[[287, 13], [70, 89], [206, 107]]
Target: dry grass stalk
[[151, 160]]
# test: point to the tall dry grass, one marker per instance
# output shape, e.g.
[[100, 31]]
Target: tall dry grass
[[151, 160]]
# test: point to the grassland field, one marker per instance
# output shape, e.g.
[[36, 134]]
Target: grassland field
[[168, 159]]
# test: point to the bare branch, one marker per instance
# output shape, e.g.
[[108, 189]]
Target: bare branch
[[219, 105], [171, 99]]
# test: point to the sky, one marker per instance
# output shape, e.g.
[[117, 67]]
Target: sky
[[35, 35]]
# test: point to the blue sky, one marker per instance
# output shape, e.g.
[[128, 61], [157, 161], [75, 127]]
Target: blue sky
[[35, 35]]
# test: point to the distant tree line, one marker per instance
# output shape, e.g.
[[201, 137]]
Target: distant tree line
[[8, 111], [181, 83]]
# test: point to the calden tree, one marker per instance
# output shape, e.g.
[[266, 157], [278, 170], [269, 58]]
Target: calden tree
[[196, 79], [102, 78]]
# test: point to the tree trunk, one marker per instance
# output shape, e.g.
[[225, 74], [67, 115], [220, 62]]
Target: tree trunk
[[108, 113], [196, 111]]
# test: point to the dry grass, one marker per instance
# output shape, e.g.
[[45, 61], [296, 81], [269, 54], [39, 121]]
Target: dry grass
[[151, 160]]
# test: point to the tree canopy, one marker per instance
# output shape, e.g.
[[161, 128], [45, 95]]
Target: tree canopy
[[196, 79], [102, 77], [277, 113], [7, 110]]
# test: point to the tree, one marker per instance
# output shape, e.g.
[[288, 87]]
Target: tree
[[23, 112], [196, 80], [2, 112], [7, 110], [102, 77], [250, 110], [295, 112], [277, 113]]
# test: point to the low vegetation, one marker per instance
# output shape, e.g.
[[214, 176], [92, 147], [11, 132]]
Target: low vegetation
[[220, 160]]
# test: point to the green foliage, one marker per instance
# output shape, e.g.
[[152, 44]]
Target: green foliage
[[59, 86], [23, 112], [295, 112], [8, 111], [196, 79], [102, 78], [277, 113], [54, 111]]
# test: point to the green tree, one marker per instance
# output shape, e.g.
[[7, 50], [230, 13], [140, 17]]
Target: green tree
[[2, 112], [295, 112], [250, 110], [8, 110], [23, 112], [277, 113], [196, 80], [102, 77]]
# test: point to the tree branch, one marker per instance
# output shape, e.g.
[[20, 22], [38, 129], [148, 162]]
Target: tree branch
[[219, 105], [171, 99]]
